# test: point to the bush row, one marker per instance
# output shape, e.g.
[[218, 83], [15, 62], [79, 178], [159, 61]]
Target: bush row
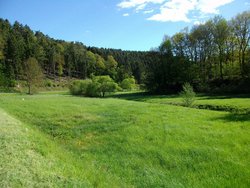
[[98, 86]]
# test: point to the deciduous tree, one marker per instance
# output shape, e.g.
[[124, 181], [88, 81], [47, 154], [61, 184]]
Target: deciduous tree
[[32, 74]]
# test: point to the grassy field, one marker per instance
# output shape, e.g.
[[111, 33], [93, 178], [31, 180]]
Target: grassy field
[[57, 140], [232, 103]]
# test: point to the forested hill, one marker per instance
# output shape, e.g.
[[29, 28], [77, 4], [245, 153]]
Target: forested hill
[[213, 57], [135, 63], [60, 58]]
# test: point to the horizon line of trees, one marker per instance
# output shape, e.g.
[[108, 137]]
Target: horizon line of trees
[[209, 55]]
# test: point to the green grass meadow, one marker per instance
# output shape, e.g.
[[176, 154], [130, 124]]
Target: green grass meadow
[[232, 103], [58, 140]]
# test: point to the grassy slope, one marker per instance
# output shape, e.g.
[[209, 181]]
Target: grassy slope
[[112, 142]]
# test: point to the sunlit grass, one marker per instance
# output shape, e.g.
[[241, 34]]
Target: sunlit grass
[[115, 143], [238, 103]]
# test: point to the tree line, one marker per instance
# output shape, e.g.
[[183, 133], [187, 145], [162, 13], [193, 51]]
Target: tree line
[[211, 56], [59, 58], [214, 55]]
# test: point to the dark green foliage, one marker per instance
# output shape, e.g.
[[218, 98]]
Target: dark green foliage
[[216, 50], [59, 58], [130, 63]]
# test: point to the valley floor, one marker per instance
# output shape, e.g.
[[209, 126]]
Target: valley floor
[[57, 140]]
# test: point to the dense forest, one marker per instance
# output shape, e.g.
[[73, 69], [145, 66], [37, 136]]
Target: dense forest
[[213, 57]]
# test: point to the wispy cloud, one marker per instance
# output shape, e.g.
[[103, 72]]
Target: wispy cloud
[[211, 6], [126, 14], [137, 3], [174, 10], [148, 11]]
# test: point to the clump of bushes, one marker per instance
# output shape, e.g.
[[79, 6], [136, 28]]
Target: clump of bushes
[[79, 87], [98, 86], [188, 95], [128, 84]]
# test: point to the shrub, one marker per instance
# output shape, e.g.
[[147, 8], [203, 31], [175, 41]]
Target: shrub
[[104, 84], [128, 83], [84, 86], [74, 88], [98, 86], [79, 87], [92, 90], [188, 95]]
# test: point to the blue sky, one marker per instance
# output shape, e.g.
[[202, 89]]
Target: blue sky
[[121, 24]]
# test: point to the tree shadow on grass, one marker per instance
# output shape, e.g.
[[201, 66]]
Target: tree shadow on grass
[[229, 96], [234, 117], [141, 96]]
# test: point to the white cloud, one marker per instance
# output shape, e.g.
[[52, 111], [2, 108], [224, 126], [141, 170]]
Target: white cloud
[[175, 10], [148, 11], [211, 6], [137, 3], [198, 22], [140, 7], [126, 14]]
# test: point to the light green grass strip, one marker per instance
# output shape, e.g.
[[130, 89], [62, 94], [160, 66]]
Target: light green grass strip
[[21, 162], [30, 159]]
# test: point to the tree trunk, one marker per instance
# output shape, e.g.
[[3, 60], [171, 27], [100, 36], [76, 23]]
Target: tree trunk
[[243, 62], [29, 89], [221, 73]]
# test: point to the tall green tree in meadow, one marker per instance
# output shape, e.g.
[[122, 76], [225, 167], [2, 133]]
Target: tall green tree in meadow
[[33, 74]]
